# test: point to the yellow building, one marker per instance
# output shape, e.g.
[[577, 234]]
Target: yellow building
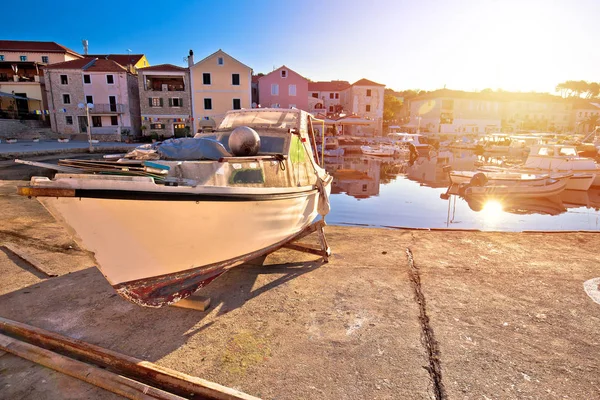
[[21, 75], [219, 83]]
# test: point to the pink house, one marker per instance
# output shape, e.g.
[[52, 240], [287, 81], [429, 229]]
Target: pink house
[[283, 88]]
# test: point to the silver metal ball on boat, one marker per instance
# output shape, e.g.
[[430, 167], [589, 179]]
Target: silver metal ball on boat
[[244, 141]]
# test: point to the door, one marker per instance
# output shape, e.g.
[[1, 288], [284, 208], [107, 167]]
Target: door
[[83, 123], [97, 121], [179, 130], [112, 101], [22, 105]]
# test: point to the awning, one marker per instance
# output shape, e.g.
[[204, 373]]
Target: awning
[[354, 120], [12, 96]]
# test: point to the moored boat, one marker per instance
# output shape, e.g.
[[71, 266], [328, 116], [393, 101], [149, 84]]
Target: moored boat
[[383, 151], [162, 229]]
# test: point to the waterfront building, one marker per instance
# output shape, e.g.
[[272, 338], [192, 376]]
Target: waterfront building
[[464, 113], [332, 96], [219, 83], [21, 75], [364, 98], [165, 100], [585, 116], [109, 86], [283, 88]]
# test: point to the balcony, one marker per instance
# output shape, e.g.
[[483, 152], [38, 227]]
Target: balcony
[[19, 78], [107, 109], [165, 84]]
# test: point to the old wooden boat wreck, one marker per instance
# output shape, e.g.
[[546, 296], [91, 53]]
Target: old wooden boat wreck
[[164, 222]]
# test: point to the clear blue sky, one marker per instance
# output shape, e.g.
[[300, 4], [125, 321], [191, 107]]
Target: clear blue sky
[[426, 44]]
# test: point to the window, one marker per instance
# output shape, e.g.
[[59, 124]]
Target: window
[[64, 80], [220, 61], [23, 58], [369, 92], [315, 95], [337, 95], [364, 187], [156, 102], [283, 73], [69, 120], [114, 120], [157, 126], [330, 108], [235, 79], [176, 102], [1, 57], [208, 104], [292, 90], [66, 99], [110, 79], [274, 89], [368, 108], [331, 95], [237, 104], [89, 99], [87, 79], [45, 59], [206, 78]]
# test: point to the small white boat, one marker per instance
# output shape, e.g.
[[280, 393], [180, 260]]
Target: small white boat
[[505, 177], [547, 158], [552, 187], [544, 187], [384, 151], [169, 227]]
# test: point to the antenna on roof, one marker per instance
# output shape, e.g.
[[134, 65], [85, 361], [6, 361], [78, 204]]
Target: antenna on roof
[[84, 42]]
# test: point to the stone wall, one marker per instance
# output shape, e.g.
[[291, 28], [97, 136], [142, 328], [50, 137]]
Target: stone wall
[[20, 129]]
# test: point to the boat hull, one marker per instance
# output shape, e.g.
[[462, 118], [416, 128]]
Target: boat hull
[[551, 189], [155, 252]]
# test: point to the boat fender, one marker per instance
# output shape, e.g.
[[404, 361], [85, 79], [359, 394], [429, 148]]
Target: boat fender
[[479, 179], [244, 142]]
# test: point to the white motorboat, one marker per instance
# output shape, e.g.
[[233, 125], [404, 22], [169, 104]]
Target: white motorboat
[[405, 139], [171, 230], [504, 177]]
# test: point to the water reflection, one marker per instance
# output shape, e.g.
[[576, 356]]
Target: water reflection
[[393, 192]]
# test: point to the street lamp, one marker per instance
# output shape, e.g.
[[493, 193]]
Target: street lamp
[[87, 107]]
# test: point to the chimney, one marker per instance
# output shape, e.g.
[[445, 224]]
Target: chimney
[[191, 58], [85, 46]]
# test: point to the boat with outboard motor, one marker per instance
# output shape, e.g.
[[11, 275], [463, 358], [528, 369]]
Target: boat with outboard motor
[[170, 217]]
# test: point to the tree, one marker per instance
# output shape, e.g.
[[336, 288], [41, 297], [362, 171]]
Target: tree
[[391, 107]]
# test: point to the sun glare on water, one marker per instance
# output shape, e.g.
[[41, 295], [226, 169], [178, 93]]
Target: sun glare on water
[[492, 211]]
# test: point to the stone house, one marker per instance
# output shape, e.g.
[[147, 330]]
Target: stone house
[[332, 96], [165, 100], [364, 98], [110, 90]]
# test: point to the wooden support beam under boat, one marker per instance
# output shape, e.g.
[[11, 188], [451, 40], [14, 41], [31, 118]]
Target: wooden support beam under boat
[[143, 372]]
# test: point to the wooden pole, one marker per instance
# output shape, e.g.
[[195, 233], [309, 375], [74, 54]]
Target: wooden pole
[[104, 379], [143, 371]]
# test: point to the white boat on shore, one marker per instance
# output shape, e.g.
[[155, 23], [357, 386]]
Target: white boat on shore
[[160, 236]]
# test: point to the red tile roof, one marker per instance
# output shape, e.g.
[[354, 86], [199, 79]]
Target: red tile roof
[[90, 64], [366, 82], [331, 86], [164, 67], [33, 46], [123, 59]]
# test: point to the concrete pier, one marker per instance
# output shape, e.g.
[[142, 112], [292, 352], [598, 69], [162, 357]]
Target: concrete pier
[[393, 315]]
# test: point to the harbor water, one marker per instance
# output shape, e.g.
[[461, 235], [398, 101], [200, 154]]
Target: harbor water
[[389, 192]]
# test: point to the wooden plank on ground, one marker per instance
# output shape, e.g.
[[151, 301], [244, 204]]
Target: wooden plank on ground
[[29, 259], [134, 368], [96, 376]]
